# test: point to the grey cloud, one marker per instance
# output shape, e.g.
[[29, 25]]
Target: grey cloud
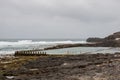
[[58, 19]]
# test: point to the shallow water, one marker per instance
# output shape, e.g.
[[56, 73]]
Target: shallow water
[[79, 50], [10, 46]]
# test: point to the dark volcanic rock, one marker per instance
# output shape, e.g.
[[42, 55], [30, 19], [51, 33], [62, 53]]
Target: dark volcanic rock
[[71, 45], [113, 36], [109, 41], [94, 40], [2, 77], [71, 67]]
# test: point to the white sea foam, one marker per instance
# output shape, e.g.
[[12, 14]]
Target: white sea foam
[[6, 52], [27, 42], [9, 47]]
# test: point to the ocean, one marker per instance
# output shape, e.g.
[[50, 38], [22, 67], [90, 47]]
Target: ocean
[[9, 46]]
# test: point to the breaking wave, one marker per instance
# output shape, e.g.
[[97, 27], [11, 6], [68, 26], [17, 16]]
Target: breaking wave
[[28, 42], [8, 47]]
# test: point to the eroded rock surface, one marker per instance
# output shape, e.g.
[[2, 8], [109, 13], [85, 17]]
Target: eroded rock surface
[[70, 67], [112, 40]]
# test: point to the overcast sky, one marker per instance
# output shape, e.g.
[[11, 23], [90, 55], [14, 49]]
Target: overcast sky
[[58, 18]]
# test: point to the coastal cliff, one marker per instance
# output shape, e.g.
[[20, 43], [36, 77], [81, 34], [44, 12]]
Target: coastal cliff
[[112, 40]]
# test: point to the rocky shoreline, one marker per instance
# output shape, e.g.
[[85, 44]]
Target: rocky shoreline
[[71, 45], [67, 67], [109, 41], [112, 40]]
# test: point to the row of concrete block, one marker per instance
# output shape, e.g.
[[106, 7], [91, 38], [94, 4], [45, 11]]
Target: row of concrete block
[[30, 53]]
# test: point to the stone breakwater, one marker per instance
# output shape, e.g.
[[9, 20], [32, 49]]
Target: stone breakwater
[[72, 45], [68, 67]]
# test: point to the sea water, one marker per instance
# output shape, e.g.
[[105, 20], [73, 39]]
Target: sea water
[[9, 46], [84, 50]]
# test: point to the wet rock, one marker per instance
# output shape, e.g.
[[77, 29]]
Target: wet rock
[[94, 40], [109, 41], [71, 67], [2, 77]]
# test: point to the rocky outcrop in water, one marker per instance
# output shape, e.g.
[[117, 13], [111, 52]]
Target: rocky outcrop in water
[[70, 45], [114, 36], [94, 39], [109, 41]]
